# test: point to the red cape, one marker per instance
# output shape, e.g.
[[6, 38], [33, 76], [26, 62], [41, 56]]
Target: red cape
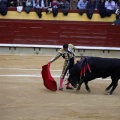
[[48, 80]]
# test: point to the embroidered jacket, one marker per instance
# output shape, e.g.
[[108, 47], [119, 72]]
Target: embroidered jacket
[[65, 54]]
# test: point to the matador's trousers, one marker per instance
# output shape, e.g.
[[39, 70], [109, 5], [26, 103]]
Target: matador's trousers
[[68, 64]]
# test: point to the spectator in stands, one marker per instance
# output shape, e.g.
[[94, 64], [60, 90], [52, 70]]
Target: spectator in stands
[[82, 6], [117, 5], [28, 6], [67, 52], [54, 6], [3, 7], [117, 22], [65, 6], [101, 8], [47, 3], [110, 7], [29, 3], [91, 6], [20, 2], [20, 6], [117, 8], [38, 5], [24, 3], [12, 3], [73, 4]]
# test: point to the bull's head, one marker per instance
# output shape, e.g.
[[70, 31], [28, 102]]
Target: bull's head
[[73, 80], [74, 76]]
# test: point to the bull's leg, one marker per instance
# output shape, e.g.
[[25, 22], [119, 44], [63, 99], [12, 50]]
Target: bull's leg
[[108, 88], [87, 87], [79, 85], [115, 84]]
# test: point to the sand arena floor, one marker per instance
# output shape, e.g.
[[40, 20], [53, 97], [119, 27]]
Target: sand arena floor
[[24, 97]]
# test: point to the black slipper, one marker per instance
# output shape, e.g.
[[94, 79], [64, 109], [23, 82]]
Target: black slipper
[[61, 89]]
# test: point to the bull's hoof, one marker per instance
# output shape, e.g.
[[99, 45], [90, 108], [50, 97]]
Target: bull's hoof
[[106, 89], [89, 91], [108, 93], [77, 90]]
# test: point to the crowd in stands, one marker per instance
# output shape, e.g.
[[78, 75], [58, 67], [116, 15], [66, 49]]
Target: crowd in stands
[[105, 7]]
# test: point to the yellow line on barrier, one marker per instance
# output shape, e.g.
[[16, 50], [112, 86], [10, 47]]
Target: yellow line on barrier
[[71, 17]]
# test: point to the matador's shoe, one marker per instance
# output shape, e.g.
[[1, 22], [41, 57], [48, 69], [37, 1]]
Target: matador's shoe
[[61, 89]]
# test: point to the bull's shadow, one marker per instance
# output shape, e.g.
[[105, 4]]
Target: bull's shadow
[[90, 68]]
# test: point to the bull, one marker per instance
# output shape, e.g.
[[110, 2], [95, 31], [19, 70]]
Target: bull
[[90, 68]]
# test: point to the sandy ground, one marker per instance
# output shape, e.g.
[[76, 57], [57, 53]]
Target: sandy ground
[[26, 98]]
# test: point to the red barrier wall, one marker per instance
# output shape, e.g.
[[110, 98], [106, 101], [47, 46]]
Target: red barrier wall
[[59, 32]]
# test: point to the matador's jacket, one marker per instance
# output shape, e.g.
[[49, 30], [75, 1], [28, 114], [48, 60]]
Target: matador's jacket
[[69, 56]]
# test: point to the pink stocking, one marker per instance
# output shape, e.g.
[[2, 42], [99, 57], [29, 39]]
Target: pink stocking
[[61, 82]]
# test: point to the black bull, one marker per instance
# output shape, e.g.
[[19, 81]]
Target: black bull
[[89, 68]]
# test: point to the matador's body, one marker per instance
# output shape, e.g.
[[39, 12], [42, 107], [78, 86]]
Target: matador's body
[[68, 55]]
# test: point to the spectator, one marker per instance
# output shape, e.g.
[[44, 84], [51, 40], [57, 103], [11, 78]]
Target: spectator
[[101, 8], [47, 3], [54, 7], [97, 2], [28, 6], [82, 6], [3, 7], [90, 7], [20, 3], [12, 3], [38, 5], [49, 8], [29, 3], [117, 9], [117, 22], [65, 6], [67, 52], [73, 4], [110, 7], [117, 5], [20, 6]]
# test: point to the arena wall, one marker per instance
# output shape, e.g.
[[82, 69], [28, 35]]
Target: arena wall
[[95, 37], [22, 28]]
